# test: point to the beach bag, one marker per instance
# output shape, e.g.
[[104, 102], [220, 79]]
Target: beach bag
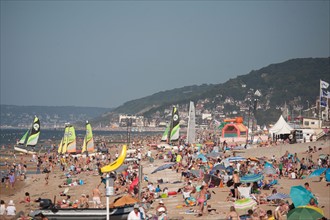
[[190, 201], [230, 183]]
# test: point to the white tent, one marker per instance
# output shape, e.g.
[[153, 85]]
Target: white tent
[[281, 127]]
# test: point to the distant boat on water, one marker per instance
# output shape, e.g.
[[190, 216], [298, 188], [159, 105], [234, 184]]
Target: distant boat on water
[[30, 138]]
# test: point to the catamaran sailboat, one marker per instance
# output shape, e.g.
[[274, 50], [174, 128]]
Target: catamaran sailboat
[[88, 144], [68, 142], [172, 131], [30, 138]]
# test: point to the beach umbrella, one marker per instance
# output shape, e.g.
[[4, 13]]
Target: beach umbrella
[[217, 167], [234, 159], [246, 203], [300, 196], [269, 170], [317, 172], [250, 178], [202, 156], [278, 196], [268, 164], [163, 167], [303, 213], [122, 168], [196, 173], [327, 175], [213, 154], [239, 148], [323, 156], [214, 179]]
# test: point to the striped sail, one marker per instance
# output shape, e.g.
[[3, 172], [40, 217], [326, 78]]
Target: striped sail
[[191, 131], [175, 125], [88, 143], [71, 140], [24, 138], [35, 132]]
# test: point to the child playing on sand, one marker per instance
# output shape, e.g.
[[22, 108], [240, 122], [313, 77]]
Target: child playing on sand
[[26, 199]]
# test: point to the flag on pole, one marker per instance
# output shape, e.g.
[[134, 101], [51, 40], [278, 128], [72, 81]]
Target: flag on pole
[[324, 85], [324, 93]]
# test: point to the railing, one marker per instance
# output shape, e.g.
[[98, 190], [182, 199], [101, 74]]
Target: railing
[[319, 135]]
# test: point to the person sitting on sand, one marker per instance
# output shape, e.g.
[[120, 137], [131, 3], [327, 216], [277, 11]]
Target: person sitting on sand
[[83, 202], [11, 209], [161, 206], [232, 215], [2, 208], [281, 210], [26, 199], [270, 215]]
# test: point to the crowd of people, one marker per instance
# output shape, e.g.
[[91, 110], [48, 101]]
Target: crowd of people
[[198, 177]]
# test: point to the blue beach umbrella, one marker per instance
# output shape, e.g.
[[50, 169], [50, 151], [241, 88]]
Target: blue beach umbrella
[[196, 173], [317, 172], [202, 156], [213, 154], [250, 178], [327, 175], [278, 196], [233, 159], [218, 167], [163, 167], [300, 196], [269, 170]]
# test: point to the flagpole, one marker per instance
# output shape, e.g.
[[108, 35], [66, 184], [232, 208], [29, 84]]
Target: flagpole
[[320, 105]]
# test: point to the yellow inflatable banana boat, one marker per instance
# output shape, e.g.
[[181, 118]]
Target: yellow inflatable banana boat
[[117, 163]]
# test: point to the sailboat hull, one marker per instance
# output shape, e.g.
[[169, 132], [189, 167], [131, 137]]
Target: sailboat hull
[[23, 150], [81, 214]]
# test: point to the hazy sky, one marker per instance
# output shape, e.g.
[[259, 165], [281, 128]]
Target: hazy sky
[[104, 53]]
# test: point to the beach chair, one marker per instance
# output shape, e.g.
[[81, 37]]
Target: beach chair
[[245, 192]]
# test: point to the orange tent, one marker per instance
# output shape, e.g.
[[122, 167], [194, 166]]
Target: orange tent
[[122, 201]]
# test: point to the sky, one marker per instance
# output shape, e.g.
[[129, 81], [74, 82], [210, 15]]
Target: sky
[[105, 53]]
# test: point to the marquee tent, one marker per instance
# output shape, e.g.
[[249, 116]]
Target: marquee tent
[[281, 127]]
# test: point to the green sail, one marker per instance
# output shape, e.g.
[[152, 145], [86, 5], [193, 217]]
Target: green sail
[[65, 140], [174, 136], [35, 132], [24, 138], [71, 144], [165, 135], [88, 143]]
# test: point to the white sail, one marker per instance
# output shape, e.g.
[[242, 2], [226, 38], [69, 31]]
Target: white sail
[[191, 131]]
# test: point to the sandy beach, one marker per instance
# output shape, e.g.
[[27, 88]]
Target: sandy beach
[[35, 185]]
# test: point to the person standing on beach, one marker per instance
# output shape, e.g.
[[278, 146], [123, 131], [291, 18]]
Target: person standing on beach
[[201, 200], [96, 196], [236, 183], [12, 179]]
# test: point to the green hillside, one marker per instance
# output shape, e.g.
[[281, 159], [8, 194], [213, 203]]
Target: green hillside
[[287, 82]]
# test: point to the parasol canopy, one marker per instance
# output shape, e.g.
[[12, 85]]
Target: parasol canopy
[[305, 213], [163, 167], [250, 178], [300, 196], [246, 203]]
